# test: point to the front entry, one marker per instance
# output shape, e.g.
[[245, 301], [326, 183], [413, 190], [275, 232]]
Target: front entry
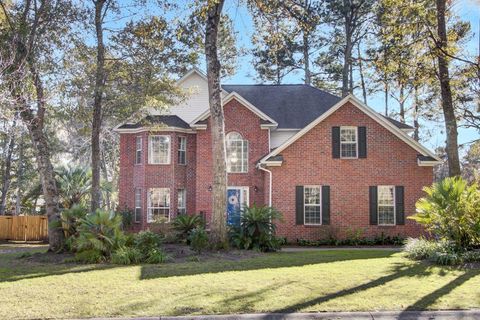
[[237, 198]]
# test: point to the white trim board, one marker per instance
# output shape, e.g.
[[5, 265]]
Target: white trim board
[[368, 111]]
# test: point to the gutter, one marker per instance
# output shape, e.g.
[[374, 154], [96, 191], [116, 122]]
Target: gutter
[[259, 166]]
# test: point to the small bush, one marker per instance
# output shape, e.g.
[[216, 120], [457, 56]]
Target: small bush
[[420, 249], [89, 256], [127, 218], [126, 255], [440, 252], [146, 241], [198, 239], [156, 256], [184, 223]]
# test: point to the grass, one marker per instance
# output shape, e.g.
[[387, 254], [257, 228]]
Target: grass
[[336, 280]]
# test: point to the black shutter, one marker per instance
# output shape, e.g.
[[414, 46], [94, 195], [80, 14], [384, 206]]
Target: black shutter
[[336, 142], [399, 205], [362, 142], [326, 205], [373, 205], [299, 205]]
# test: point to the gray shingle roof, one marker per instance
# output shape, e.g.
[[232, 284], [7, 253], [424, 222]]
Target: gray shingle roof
[[293, 106], [166, 120]]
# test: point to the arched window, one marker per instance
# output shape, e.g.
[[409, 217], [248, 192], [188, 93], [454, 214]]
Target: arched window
[[237, 153]]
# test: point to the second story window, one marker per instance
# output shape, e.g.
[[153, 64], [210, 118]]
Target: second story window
[[182, 150], [138, 150], [237, 153], [348, 142], [159, 149]]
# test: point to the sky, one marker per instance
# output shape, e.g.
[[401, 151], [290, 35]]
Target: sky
[[467, 10]]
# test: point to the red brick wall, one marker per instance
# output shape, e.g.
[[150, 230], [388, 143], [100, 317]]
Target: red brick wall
[[173, 176], [241, 119], [309, 161]]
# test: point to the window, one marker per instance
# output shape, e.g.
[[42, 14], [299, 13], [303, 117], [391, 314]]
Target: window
[[182, 150], [386, 205], [138, 205], [138, 150], [348, 142], [158, 205], [237, 153], [312, 205], [159, 149], [182, 201]]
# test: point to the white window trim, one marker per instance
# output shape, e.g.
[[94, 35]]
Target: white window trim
[[135, 205], [356, 142], [394, 207], [150, 152], [137, 150], [241, 157], [149, 207], [184, 200], [179, 145], [313, 205]]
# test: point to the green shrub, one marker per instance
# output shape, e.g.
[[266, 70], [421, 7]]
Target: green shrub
[[89, 256], [156, 256], [99, 232], [451, 212], [127, 218], [420, 249], [440, 252], [184, 223], [257, 229], [198, 239], [146, 241], [127, 255], [70, 221]]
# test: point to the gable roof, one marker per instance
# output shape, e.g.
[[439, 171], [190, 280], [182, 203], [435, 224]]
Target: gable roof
[[171, 121], [368, 111], [266, 120]]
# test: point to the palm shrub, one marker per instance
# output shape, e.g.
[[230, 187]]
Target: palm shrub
[[99, 235], [257, 229], [198, 239], [74, 185], [185, 223], [451, 211], [70, 221]]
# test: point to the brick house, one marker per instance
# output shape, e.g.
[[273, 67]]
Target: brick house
[[330, 165]]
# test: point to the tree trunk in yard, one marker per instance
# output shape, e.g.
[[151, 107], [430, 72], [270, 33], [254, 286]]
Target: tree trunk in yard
[[218, 234], [416, 125], [96, 194], [362, 78], [306, 58], [18, 196], [447, 102], [347, 56], [6, 178]]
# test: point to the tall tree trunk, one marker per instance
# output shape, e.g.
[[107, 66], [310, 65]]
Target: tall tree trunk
[[105, 178], [402, 102], [362, 77], [96, 194], [6, 178], [18, 196], [416, 110], [306, 58], [385, 92], [447, 102], [218, 233], [346, 63]]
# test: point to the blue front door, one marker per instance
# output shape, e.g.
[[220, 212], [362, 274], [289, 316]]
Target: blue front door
[[234, 201]]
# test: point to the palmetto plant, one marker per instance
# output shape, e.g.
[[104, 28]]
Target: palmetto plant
[[100, 233], [451, 211], [185, 223], [74, 184]]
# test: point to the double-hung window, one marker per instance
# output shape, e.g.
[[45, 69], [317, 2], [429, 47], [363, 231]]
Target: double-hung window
[[158, 205], [182, 150], [138, 150], [348, 142], [237, 153], [386, 205], [182, 201], [159, 149], [138, 205], [312, 205]]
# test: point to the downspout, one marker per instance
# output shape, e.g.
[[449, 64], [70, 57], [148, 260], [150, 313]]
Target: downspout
[[269, 183]]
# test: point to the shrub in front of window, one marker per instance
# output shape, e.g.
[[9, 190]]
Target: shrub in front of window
[[184, 223], [198, 239], [257, 229], [451, 212]]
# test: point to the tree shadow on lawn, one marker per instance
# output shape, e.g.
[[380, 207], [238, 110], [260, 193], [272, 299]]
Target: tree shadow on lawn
[[419, 269], [266, 261]]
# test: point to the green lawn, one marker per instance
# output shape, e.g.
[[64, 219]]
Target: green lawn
[[280, 282]]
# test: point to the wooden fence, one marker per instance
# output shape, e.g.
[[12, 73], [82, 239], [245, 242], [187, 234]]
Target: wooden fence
[[23, 228]]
